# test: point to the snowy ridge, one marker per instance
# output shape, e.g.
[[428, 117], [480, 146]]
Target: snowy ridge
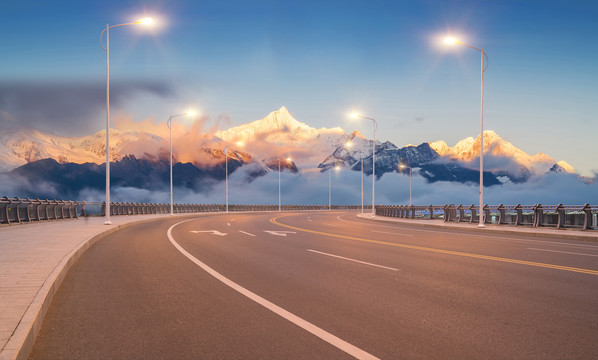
[[469, 149]]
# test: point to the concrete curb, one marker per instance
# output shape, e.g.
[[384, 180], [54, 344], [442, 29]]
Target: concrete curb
[[489, 229], [20, 344]]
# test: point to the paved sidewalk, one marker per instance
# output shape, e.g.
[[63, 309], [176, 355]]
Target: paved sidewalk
[[572, 234], [34, 258]]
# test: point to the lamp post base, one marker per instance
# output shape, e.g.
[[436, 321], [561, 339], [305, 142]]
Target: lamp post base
[[481, 226], [107, 222]]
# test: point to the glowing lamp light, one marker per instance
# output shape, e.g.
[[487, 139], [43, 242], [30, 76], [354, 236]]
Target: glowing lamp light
[[288, 159], [450, 40], [337, 167], [349, 144], [145, 21], [355, 115], [240, 143], [190, 113]]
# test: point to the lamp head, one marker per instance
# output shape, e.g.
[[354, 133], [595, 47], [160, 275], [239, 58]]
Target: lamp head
[[145, 21], [240, 143], [348, 144], [354, 115], [289, 159], [337, 167], [449, 40]]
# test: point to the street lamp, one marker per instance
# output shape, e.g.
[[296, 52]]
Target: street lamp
[[374, 125], [287, 160], [145, 21], [169, 123], [337, 168], [453, 41], [403, 167]]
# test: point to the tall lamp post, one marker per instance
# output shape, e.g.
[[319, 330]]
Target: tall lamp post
[[483, 67], [374, 125], [279, 204], [403, 167], [169, 123], [106, 48]]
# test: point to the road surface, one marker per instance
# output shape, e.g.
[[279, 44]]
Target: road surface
[[323, 285]]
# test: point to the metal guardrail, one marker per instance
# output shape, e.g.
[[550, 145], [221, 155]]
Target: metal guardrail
[[16, 210], [559, 216]]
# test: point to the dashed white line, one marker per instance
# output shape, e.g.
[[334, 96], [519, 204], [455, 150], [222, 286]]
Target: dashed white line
[[246, 233], [391, 233], [328, 224], [563, 252], [354, 260], [313, 329]]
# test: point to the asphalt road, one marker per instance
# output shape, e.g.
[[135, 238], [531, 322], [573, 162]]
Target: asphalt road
[[323, 285]]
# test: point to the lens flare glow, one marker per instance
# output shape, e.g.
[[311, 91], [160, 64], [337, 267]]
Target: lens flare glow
[[145, 21], [449, 40]]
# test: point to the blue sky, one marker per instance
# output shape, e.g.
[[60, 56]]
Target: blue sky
[[240, 60]]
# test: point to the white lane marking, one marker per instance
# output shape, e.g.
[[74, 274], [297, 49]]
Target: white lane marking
[[328, 224], [321, 333], [391, 233], [308, 219], [228, 224], [563, 252], [354, 260], [246, 233], [213, 232], [279, 233]]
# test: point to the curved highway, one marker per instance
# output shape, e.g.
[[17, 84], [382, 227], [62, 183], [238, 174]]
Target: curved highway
[[323, 285]]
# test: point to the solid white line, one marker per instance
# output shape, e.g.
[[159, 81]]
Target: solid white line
[[321, 333], [246, 233], [391, 233], [349, 259], [563, 252]]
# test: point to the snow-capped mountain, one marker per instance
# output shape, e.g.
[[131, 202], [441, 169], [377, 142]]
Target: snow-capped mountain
[[280, 132], [469, 149], [24, 146]]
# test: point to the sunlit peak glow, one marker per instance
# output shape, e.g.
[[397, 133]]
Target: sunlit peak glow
[[449, 40]]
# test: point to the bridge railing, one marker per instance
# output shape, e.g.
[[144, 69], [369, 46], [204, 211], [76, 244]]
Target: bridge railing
[[559, 216], [16, 210]]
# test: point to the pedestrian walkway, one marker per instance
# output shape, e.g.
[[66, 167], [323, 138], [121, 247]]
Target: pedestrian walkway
[[572, 234], [34, 258]]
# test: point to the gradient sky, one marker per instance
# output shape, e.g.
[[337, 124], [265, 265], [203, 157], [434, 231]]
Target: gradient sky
[[236, 61]]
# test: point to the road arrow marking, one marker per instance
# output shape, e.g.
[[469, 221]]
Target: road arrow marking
[[213, 232], [279, 233]]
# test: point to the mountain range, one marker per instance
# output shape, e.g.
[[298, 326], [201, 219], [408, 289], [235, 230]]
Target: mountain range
[[141, 159]]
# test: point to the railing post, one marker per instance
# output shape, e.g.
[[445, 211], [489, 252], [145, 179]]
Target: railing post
[[538, 215], [519, 215], [487, 218], [473, 214], [587, 221], [430, 212], [501, 214], [560, 209]]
